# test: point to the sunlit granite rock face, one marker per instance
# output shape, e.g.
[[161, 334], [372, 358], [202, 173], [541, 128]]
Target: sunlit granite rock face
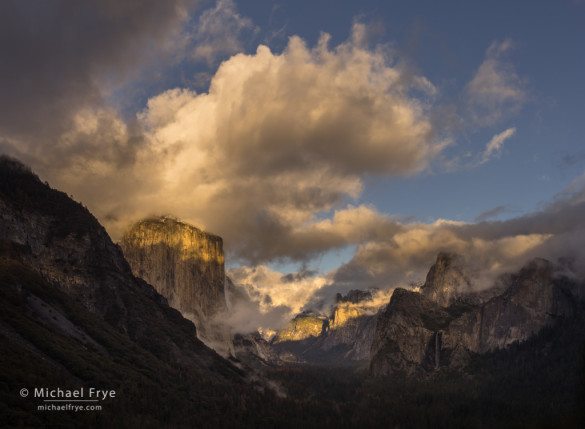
[[417, 335], [345, 336], [185, 265], [351, 327], [302, 327], [343, 314]]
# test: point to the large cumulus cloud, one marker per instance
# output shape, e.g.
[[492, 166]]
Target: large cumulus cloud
[[271, 157]]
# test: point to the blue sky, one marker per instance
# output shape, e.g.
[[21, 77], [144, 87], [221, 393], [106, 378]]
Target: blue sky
[[353, 158]]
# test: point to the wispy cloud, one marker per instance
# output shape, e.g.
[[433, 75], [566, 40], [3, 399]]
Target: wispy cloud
[[494, 148], [220, 31], [495, 89], [491, 213]]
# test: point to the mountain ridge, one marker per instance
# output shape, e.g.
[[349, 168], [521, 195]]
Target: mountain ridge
[[418, 334]]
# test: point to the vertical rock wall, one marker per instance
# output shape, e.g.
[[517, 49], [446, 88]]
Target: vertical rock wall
[[184, 264]]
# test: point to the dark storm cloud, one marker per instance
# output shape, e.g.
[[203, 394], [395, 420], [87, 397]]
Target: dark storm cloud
[[57, 55], [298, 276]]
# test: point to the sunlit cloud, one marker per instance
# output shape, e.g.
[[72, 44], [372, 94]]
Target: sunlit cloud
[[277, 143], [274, 298], [490, 248]]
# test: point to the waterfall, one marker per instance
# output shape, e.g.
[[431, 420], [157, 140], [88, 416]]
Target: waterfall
[[437, 349]]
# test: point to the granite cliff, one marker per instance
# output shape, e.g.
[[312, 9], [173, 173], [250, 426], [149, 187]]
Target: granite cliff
[[447, 323], [303, 326], [186, 266], [345, 335]]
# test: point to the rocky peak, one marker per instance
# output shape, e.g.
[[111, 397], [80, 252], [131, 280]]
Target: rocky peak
[[354, 296], [447, 280]]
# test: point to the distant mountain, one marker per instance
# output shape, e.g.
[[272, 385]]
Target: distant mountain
[[345, 336], [447, 323]]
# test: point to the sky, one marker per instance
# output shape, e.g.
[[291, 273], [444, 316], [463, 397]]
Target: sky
[[334, 145]]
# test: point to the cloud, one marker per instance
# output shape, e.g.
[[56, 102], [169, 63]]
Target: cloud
[[61, 56], [300, 275], [491, 213], [490, 248], [274, 298], [219, 32], [496, 89], [270, 158], [279, 139], [494, 147], [246, 316]]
